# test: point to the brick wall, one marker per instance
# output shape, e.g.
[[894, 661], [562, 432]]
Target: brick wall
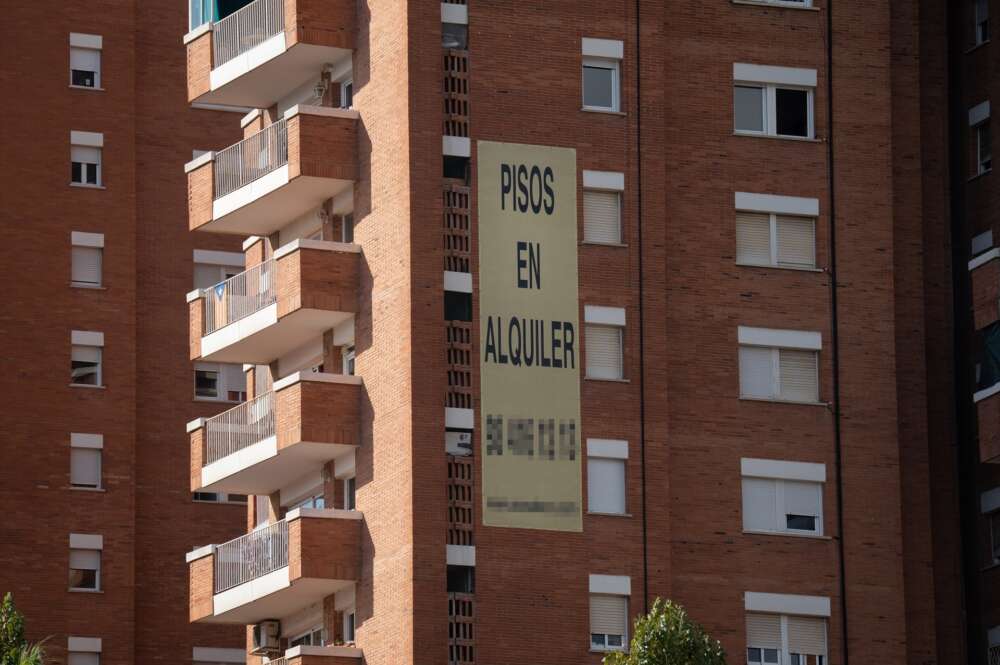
[[322, 147], [317, 279], [199, 66], [318, 412], [324, 548], [320, 23]]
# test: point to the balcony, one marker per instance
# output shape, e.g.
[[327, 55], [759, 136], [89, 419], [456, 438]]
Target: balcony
[[309, 287], [266, 443], [265, 50], [988, 411], [265, 181], [984, 273], [308, 655], [277, 570]]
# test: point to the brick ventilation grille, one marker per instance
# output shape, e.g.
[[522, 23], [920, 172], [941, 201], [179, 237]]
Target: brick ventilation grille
[[457, 242], [459, 357], [460, 516], [456, 93], [994, 655], [461, 615]]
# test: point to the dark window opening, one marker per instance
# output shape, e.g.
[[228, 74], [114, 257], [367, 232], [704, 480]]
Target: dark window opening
[[456, 168], [986, 350], [461, 579], [84, 78], [455, 35], [792, 108], [457, 306], [801, 522]]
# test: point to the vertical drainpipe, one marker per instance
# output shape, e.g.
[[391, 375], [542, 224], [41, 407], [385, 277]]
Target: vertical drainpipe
[[642, 303]]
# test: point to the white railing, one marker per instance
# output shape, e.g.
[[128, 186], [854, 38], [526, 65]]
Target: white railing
[[239, 428], [240, 296], [246, 28], [252, 158], [251, 556]]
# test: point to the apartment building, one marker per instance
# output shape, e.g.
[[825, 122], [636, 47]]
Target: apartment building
[[95, 464], [551, 309]]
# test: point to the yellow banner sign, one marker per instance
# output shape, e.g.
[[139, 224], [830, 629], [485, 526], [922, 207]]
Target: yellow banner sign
[[529, 337]]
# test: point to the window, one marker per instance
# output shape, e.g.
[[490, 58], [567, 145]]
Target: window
[[85, 158], [347, 228], [350, 488], [455, 36], [783, 241], [83, 658], [981, 21], [456, 168], [602, 74], [86, 366], [86, 258], [347, 94], [995, 535], [984, 148], [349, 622], [602, 207], [313, 638], [85, 468], [775, 638], [85, 60], [219, 497], [83, 651], [85, 562], [212, 267], [313, 500], [262, 510], [457, 306], [783, 497], [773, 101], [604, 352], [608, 622], [348, 360], [606, 476], [220, 381], [781, 374], [461, 579]]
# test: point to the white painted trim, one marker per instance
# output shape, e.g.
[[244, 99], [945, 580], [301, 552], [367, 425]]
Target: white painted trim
[[613, 49], [609, 448], [199, 553], [242, 64], [452, 13], [218, 655], [81, 239], [90, 139], [197, 32], [81, 40], [79, 440], [456, 146], [779, 205], [250, 242], [331, 651], [769, 468], [322, 514], [250, 192], [239, 330], [461, 555], [84, 338], [607, 316], [979, 113], [980, 395], [196, 424], [323, 245], [83, 644], [610, 180], [215, 257], [250, 591], [459, 418], [781, 603], [86, 541], [249, 117], [459, 282], [989, 501], [307, 376], [805, 78], [195, 295], [225, 108], [617, 585], [984, 258], [200, 160], [324, 111], [784, 339]]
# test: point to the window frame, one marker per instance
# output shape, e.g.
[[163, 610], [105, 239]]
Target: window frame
[[99, 369], [994, 528], [624, 471], [100, 467], [100, 266], [980, 35], [97, 72], [770, 109], [97, 571], [781, 508], [222, 383], [350, 493], [621, 351], [346, 84], [614, 66], [773, 244], [618, 197], [784, 653], [984, 157], [606, 648], [775, 395], [350, 624]]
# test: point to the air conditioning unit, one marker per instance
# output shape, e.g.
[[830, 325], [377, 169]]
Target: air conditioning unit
[[265, 638]]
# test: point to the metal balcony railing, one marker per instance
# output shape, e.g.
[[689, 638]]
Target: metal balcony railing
[[252, 158], [239, 428], [246, 28], [240, 296], [251, 556]]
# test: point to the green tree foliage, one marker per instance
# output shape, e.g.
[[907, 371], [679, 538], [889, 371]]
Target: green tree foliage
[[11, 632], [30, 654], [668, 636]]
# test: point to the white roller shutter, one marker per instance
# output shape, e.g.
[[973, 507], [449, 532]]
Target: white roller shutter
[[798, 381], [86, 265], [753, 238], [85, 559], [602, 216], [756, 372], [763, 631], [604, 352], [85, 154], [608, 615], [796, 242], [82, 658], [206, 275], [760, 504], [85, 467], [606, 485], [807, 636], [803, 498]]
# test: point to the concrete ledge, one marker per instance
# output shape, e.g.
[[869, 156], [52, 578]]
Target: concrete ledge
[[199, 553], [325, 111], [315, 377], [323, 514], [200, 160], [322, 245], [196, 424], [197, 32], [195, 295], [985, 258], [330, 651]]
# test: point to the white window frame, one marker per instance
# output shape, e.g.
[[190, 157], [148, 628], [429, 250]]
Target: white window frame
[[343, 92], [609, 450], [605, 317], [775, 395], [80, 441], [773, 243], [84, 42], [775, 340], [606, 182], [89, 140], [85, 339], [779, 472], [89, 543], [614, 66], [222, 383], [784, 653], [88, 241], [779, 206], [770, 79], [310, 633]]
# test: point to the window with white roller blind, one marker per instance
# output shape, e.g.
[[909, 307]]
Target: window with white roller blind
[[788, 375], [776, 638], [605, 485], [602, 216], [604, 352], [85, 467], [85, 366], [608, 622], [85, 165], [782, 241], [83, 658], [86, 266], [85, 67], [85, 569], [779, 505]]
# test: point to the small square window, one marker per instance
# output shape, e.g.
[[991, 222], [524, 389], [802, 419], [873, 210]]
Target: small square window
[[206, 383], [85, 67], [601, 84], [85, 167], [602, 215], [604, 352], [455, 36], [457, 306], [606, 485], [792, 112], [86, 266], [86, 366], [85, 467], [85, 569]]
